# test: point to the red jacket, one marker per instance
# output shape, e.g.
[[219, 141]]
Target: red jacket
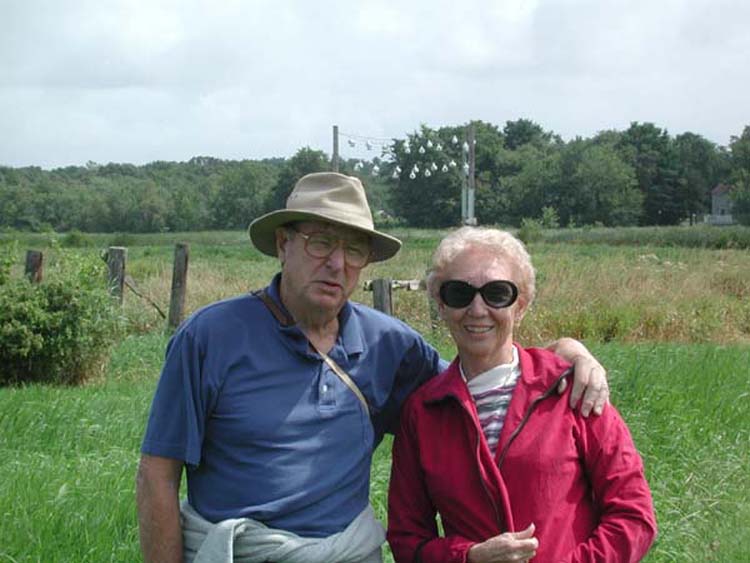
[[579, 480]]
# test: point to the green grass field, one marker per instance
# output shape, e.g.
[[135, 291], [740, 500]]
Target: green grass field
[[68, 455]]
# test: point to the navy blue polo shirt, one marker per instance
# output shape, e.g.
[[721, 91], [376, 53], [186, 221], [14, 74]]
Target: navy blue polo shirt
[[266, 429]]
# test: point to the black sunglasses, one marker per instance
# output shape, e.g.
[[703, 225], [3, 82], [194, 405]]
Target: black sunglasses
[[497, 294]]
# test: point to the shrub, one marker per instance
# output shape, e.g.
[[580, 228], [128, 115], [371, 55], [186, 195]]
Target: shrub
[[60, 331], [7, 258], [76, 239], [530, 231], [550, 218]]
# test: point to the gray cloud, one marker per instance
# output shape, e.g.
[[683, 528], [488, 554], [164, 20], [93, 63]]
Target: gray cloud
[[140, 81]]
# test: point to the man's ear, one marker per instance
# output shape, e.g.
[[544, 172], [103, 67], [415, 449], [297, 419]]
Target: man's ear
[[281, 242]]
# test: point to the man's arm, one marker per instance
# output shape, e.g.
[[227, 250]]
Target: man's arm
[[589, 375], [157, 497]]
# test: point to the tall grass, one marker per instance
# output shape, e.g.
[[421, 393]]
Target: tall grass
[[592, 291], [696, 236], [68, 455], [688, 409], [68, 458]]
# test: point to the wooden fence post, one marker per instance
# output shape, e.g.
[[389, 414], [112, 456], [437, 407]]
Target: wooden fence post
[[382, 298], [431, 304], [179, 285], [116, 258], [34, 266]]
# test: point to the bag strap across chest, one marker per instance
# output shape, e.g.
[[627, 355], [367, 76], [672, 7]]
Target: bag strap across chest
[[286, 320]]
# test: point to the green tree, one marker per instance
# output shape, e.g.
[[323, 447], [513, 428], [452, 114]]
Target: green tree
[[702, 166], [739, 148], [648, 149], [17, 209], [424, 195], [525, 132], [153, 207], [432, 198], [537, 185], [305, 161], [241, 195], [376, 178], [663, 200], [605, 189]]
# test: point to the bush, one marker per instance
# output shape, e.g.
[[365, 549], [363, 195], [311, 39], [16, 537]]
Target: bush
[[7, 258], [530, 231], [76, 239], [550, 218], [60, 331]]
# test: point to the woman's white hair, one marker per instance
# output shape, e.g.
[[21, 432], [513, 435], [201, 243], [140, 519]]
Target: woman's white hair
[[498, 242]]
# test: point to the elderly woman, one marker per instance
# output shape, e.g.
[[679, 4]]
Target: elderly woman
[[492, 448]]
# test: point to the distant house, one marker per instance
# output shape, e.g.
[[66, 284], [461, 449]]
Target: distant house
[[721, 205]]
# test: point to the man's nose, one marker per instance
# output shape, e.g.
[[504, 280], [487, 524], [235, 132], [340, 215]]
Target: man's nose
[[337, 258]]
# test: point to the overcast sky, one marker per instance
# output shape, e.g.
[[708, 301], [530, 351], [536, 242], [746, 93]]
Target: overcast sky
[[143, 80]]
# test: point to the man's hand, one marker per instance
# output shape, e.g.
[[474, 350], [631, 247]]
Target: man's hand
[[510, 546], [589, 377]]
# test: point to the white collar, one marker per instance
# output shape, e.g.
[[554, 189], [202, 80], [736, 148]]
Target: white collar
[[498, 376]]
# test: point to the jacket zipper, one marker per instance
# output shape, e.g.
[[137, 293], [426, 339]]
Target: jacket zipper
[[484, 484], [528, 413]]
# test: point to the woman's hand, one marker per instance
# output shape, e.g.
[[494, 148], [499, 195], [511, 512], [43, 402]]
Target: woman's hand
[[510, 546]]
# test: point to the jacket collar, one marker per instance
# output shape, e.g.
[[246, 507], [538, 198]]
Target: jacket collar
[[448, 384], [539, 370]]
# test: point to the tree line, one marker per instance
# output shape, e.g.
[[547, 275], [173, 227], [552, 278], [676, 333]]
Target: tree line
[[640, 176]]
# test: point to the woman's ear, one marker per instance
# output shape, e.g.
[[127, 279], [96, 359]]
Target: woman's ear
[[441, 308], [520, 310]]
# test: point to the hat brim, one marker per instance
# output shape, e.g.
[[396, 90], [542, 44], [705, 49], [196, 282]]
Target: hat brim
[[262, 232]]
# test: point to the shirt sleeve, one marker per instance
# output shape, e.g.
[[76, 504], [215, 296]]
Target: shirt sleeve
[[627, 525], [419, 363], [412, 527], [180, 407]]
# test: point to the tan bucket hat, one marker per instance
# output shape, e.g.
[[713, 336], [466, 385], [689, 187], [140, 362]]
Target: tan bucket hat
[[329, 197]]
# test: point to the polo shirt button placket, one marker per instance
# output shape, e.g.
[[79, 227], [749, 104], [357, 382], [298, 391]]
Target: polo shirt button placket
[[326, 390]]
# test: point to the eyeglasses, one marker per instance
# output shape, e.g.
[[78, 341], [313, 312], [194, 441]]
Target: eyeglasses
[[322, 245], [497, 294]]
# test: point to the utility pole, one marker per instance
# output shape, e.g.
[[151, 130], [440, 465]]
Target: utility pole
[[470, 218], [469, 185], [335, 159]]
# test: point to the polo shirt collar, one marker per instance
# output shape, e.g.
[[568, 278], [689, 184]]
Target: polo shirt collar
[[275, 293], [350, 329]]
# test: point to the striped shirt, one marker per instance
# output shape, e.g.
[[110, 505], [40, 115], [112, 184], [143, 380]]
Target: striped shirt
[[492, 391]]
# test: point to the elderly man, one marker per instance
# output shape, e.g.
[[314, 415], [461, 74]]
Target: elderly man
[[273, 402]]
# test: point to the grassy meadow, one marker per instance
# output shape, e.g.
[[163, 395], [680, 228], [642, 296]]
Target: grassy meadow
[[671, 324]]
